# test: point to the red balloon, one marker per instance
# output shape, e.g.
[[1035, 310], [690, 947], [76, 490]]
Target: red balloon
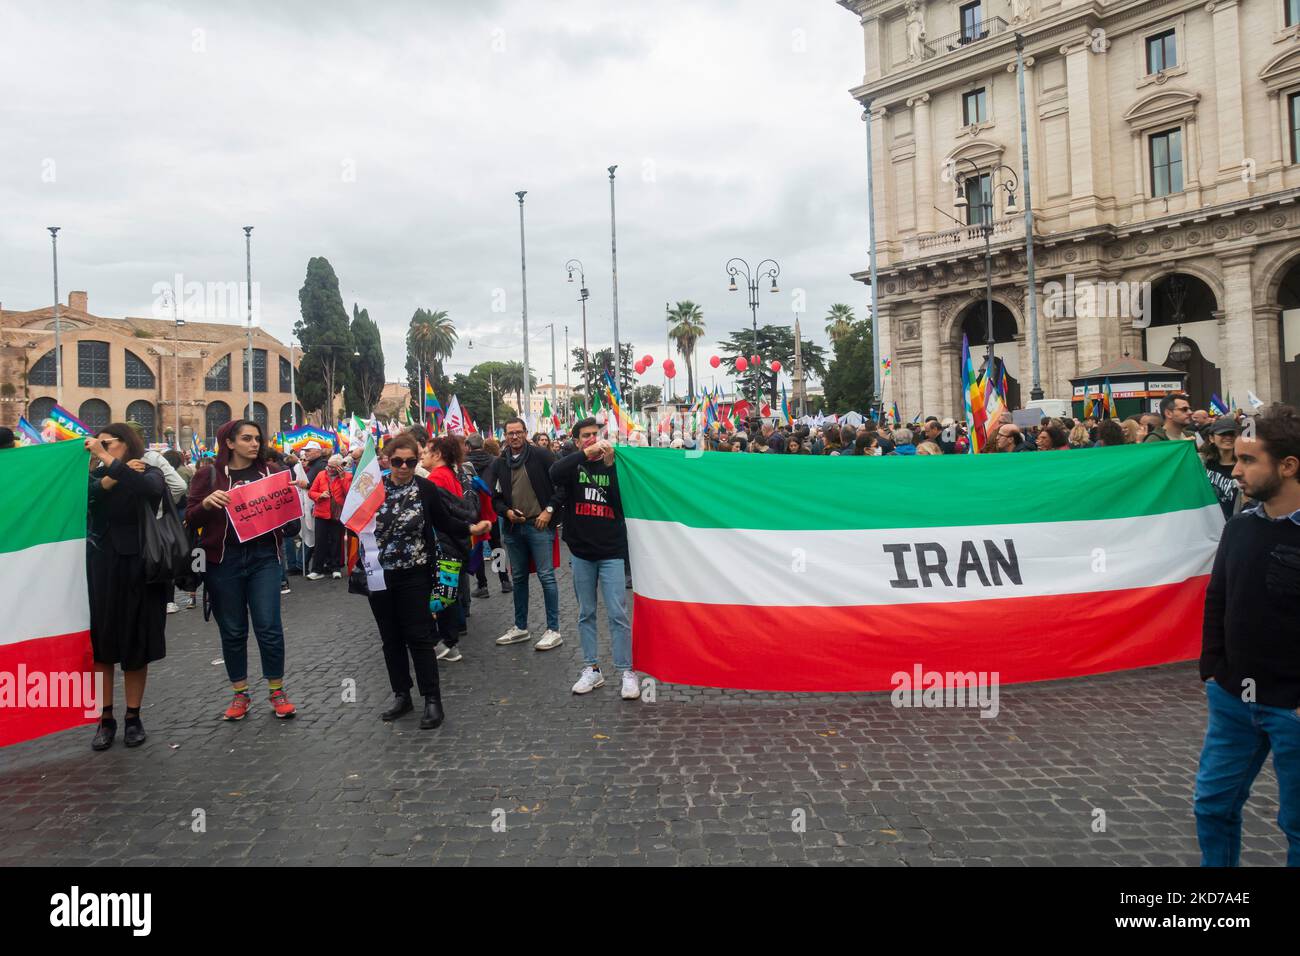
[[648, 360], [670, 371], [755, 360], [640, 369], [742, 364], [776, 366], [715, 361]]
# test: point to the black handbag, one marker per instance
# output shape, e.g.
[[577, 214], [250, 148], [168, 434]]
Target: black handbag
[[164, 544]]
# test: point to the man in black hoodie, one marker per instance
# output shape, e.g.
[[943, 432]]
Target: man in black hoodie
[[596, 535], [1250, 654], [489, 469]]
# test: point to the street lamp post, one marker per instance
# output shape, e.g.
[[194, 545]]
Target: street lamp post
[[1036, 388], [613, 258], [523, 273], [293, 391], [176, 363], [248, 260], [58, 326], [752, 280], [571, 265], [1009, 183]]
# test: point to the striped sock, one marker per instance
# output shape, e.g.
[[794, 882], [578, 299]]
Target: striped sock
[[241, 687], [277, 684]]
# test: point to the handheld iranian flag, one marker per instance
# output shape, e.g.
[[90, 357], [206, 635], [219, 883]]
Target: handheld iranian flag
[[1011, 564], [366, 493], [47, 679]]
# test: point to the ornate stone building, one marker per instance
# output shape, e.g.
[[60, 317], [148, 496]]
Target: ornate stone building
[[127, 369], [1164, 145]]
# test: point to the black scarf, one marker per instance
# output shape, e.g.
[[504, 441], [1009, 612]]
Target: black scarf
[[518, 462]]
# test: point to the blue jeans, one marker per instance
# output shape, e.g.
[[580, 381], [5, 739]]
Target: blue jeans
[[522, 542], [1237, 741], [247, 584], [608, 577]]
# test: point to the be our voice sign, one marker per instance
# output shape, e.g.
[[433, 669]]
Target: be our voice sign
[[263, 505]]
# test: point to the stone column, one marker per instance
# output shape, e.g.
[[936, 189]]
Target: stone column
[[1237, 333], [1078, 69], [1230, 107], [1276, 162], [1268, 353], [931, 368], [883, 321], [950, 381], [925, 171]]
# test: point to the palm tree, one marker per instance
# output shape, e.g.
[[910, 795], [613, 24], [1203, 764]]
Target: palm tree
[[511, 380], [839, 322], [687, 323], [431, 338]]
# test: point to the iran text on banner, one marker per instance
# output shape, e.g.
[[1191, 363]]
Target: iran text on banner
[[794, 573], [46, 632]]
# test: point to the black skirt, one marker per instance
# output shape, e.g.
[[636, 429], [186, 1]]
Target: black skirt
[[127, 616]]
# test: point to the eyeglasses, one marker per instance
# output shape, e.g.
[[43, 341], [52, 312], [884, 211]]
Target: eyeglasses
[[402, 462]]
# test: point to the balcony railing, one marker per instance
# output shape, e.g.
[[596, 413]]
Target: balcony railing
[[964, 236], [962, 38]]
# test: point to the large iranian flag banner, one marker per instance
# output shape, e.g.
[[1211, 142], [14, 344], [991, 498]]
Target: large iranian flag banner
[[46, 670], [801, 573]]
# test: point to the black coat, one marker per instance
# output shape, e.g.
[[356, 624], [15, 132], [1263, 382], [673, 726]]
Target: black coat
[[115, 514], [538, 465]]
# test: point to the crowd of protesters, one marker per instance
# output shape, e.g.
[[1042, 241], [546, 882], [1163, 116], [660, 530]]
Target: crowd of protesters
[[455, 505]]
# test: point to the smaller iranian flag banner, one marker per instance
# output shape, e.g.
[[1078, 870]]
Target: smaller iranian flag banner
[[366, 493], [47, 678], [792, 573]]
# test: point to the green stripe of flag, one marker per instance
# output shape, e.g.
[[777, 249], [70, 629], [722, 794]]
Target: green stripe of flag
[[44, 494], [779, 492]]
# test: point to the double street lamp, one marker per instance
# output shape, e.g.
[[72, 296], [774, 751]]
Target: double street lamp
[[985, 184], [571, 266], [752, 279]]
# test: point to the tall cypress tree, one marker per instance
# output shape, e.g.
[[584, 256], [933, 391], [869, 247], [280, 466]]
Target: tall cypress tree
[[326, 338], [366, 378]]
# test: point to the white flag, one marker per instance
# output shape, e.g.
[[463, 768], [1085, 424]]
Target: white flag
[[1254, 400], [455, 419]]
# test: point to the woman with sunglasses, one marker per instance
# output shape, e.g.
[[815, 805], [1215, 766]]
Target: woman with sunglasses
[[127, 616], [406, 526]]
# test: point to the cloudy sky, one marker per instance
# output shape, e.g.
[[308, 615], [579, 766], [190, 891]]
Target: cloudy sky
[[391, 138]]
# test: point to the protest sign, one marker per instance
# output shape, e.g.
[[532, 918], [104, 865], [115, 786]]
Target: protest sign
[[263, 505]]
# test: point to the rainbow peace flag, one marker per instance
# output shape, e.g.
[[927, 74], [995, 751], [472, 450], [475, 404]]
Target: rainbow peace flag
[[299, 437], [30, 434], [432, 407], [621, 415], [972, 387], [65, 425]]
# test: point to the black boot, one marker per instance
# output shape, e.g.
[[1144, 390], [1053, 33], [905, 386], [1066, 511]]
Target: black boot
[[433, 714], [401, 705], [104, 735]]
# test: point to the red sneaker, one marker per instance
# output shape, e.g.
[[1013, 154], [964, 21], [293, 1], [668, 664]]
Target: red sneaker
[[280, 701], [238, 707]]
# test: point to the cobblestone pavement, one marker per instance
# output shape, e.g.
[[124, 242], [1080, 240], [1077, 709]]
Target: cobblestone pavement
[[698, 776]]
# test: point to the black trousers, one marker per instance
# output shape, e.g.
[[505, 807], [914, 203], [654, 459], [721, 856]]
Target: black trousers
[[495, 543], [407, 628], [328, 553]]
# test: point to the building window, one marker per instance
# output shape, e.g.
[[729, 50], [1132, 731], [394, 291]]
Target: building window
[[218, 377], [143, 414], [286, 417], [43, 371], [138, 375], [92, 365], [94, 414], [970, 22], [286, 377], [218, 413], [39, 410], [973, 108], [979, 192], [259, 416], [1162, 52], [1292, 12], [1293, 110], [259, 369], [1167, 162]]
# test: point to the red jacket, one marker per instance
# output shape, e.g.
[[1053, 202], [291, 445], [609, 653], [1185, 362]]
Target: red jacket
[[329, 493]]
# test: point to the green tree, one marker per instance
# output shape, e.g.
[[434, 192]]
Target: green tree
[[839, 321], [648, 395], [326, 338], [850, 380], [477, 388], [775, 343], [687, 326], [366, 378], [430, 340], [602, 360]]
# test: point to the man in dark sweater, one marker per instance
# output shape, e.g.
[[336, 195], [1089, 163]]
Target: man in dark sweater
[[1250, 651], [527, 502], [597, 538]]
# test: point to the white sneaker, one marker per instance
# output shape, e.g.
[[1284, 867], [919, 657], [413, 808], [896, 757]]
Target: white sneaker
[[172, 607], [453, 654], [631, 686], [589, 681], [315, 576], [441, 650], [549, 640], [513, 636], [337, 575]]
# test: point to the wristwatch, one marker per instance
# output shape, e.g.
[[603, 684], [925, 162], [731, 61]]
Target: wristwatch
[[550, 509]]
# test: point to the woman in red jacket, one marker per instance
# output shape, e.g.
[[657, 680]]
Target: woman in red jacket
[[328, 491]]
